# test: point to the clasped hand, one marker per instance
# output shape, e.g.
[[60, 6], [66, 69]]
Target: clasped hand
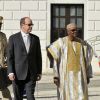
[[56, 81]]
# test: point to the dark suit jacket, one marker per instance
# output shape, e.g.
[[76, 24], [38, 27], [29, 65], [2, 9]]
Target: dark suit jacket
[[19, 61]]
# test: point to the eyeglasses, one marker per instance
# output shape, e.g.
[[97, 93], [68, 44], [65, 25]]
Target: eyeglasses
[[29, 24], [73, 30]]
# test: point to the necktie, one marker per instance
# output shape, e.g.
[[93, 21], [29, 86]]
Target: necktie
[[27, 43]]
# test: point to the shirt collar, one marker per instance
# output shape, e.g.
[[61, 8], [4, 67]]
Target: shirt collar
[[24, 34]]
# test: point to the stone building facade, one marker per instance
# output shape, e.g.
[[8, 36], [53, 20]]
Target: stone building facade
[[40, 12]]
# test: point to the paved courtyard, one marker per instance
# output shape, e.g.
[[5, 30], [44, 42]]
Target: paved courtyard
[[46, 90]]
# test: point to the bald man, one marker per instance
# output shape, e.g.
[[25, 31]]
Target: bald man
[[24, 60], [70, 65]]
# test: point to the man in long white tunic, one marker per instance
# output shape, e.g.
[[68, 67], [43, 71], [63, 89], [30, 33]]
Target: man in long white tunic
[[71, 61]]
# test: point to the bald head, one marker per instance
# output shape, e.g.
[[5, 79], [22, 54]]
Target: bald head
[[22, 20], [26, 24]]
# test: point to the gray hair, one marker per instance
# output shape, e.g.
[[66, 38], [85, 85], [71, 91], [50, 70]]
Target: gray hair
[[71, 25]]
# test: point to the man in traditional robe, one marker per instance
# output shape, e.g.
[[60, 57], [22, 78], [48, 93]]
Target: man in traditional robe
[[71, 60]]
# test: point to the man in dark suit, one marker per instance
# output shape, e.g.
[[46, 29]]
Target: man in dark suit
[[24, 60]]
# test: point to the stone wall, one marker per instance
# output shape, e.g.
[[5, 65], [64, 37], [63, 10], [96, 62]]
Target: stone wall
[[40, 12]]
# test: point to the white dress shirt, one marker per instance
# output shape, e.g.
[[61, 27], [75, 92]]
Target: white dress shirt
[[26, 39]]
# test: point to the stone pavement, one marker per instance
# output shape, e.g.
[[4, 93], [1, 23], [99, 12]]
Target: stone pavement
[[46, 90], [94, 88]]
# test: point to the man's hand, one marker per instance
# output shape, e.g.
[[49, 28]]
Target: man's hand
[[56, 81], [11, 76], [38, 77]]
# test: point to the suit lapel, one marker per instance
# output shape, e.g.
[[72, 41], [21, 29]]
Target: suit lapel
[[31, 42]]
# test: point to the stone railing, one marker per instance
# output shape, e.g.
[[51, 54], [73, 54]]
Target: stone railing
[[94, 42]]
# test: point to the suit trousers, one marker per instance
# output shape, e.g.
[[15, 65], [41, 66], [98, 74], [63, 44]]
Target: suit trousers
[[19, 86]]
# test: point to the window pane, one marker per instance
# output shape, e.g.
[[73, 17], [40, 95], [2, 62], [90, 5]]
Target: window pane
[[55, 22], [56, 11], [72, 20], [55, 34], [72, 11], [62, 33], [62, 22], [79, 22], [79, 11], [62, 11]]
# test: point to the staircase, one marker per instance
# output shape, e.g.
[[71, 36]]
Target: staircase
[[95, 43]]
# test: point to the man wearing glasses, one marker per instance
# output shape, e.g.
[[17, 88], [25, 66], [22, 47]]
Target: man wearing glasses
[[71, 59], [24, 60]]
